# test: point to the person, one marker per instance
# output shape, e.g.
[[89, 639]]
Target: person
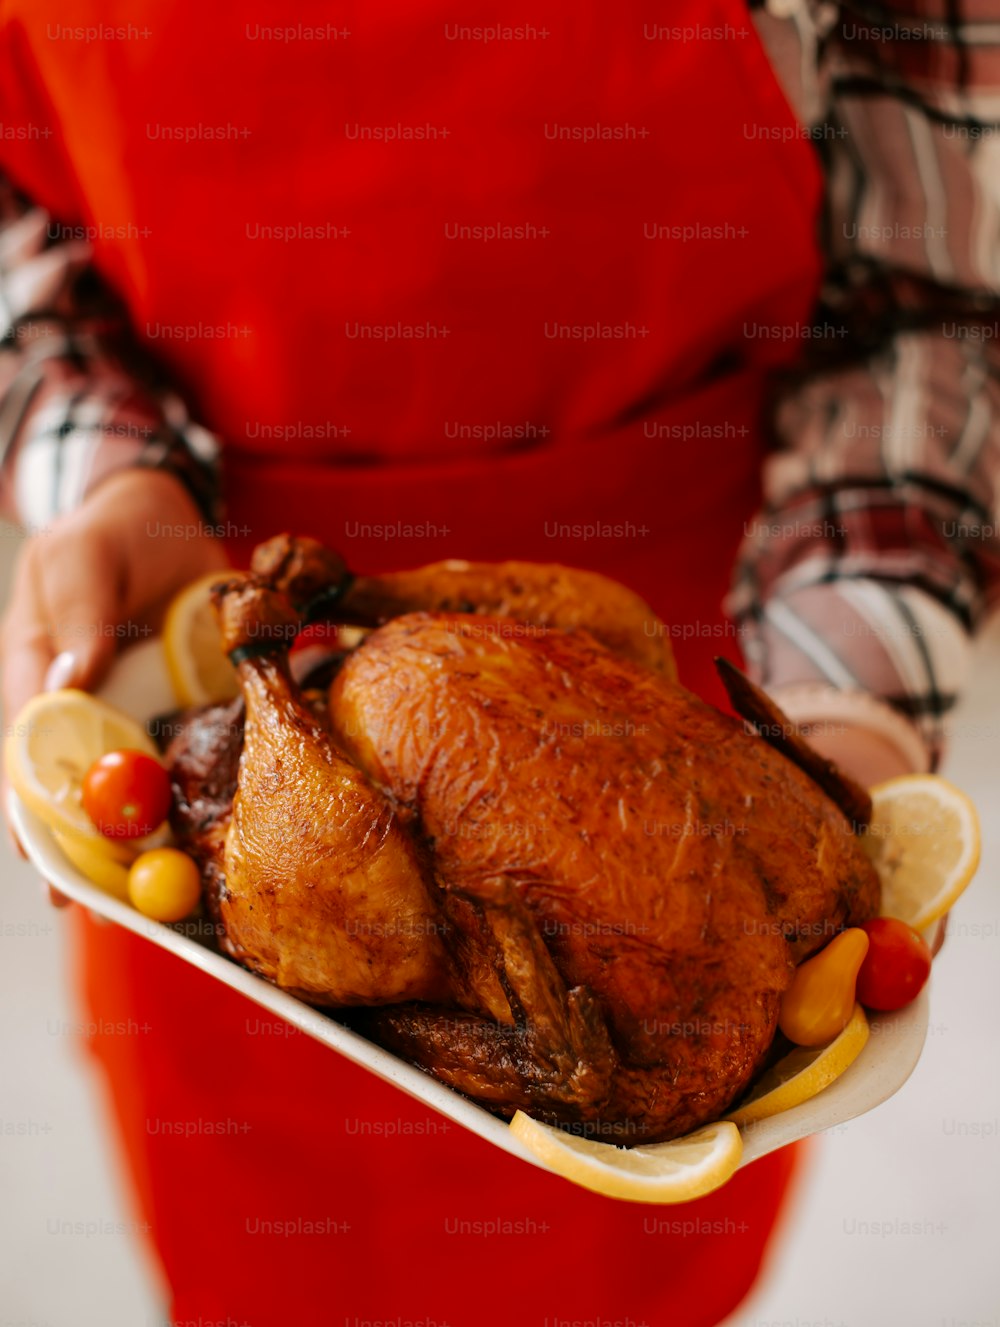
[[427, 289]]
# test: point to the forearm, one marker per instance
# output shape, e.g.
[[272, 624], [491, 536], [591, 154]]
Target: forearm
[[79, 398], [876, 556]]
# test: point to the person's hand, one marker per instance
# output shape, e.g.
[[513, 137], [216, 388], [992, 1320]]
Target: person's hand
[[869, 758], [99, 578], [865, 756]]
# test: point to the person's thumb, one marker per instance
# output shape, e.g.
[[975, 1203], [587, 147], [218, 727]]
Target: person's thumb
[[83, 614]]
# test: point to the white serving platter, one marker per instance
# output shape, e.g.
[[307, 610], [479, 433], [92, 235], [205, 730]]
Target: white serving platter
[[139, 685]]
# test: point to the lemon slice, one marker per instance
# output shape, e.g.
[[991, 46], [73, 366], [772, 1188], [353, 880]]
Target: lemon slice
[[924, 843], [672, 1172], [55, 739], [803, 1073], [199, 671], [102, 866]]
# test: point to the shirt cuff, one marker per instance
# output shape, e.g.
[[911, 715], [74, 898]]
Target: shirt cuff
[[857, 636]]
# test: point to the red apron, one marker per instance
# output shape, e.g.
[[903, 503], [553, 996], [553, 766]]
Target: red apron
[[444, 292]]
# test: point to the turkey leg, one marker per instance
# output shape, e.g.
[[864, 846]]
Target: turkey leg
[[324, 891]]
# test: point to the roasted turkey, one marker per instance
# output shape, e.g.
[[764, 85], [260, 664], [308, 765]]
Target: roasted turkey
[[507, 840]]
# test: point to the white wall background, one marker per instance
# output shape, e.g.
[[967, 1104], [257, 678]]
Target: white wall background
[[930, 1157]]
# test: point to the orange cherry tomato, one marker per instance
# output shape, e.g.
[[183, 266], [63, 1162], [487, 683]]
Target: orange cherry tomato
[[819, 1003], [164, 884]]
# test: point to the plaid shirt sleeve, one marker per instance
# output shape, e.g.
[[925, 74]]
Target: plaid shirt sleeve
[[877, 554], [78, 400]]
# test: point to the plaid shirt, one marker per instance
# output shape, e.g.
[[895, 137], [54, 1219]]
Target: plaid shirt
[[79, 398], [877, 553]]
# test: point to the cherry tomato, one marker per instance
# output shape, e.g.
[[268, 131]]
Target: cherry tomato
[[896, 966], [126, 794], [165, 884]]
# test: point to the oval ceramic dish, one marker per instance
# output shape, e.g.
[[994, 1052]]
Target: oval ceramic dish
[[139, 685]]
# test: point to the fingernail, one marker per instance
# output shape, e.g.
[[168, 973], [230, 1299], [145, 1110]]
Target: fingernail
[[61, 669], [51, 895], [57, 899]]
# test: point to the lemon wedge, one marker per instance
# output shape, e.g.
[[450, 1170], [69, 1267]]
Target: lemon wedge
[[672, 1172], [803, 1073], [924, 842], [101, 865], [52, 744], [199, 671]]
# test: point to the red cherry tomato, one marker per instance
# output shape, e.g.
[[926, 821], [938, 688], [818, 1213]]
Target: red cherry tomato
[[896, 966], [126, 794]]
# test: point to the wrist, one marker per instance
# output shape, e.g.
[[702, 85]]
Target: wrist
[[153, 491], [864, 755], [861, 733], [157, 531], [825, 710]]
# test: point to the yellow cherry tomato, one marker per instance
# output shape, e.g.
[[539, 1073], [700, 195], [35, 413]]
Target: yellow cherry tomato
[[820, 1001], [164, 884]]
